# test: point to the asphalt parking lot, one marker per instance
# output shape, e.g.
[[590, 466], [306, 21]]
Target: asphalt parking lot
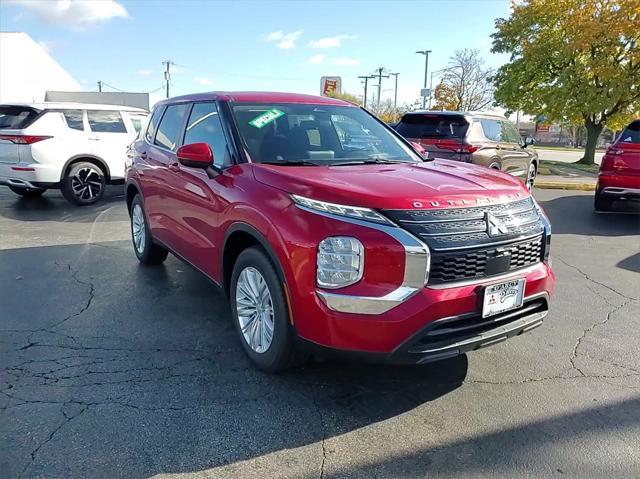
[[110, 369]]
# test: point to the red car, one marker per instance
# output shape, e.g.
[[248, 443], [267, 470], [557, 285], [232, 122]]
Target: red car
[[619, 175], [325, 243]]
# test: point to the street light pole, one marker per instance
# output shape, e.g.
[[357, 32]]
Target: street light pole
[[426, 69], [431, 90]]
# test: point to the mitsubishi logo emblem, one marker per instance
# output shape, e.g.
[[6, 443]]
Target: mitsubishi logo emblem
[[495, 227]]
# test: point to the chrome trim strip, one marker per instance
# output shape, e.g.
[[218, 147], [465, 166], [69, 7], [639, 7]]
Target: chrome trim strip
[[485, 245], [615, 190], [417, 262], [487, 281], [462, 220]]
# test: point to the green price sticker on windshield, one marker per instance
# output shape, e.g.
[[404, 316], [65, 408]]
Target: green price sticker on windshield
[[265, 118]]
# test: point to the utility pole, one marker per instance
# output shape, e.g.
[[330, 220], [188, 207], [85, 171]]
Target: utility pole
[[380, 77], [366, 79], [100, 86], [426, 68], [395, 91], [167, 74]]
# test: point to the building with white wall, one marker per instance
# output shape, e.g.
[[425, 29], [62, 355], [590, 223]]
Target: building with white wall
[[27, 71]]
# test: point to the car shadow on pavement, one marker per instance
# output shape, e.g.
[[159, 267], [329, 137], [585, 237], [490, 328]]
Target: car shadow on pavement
[[623, 220], [134, 371], [513, 451], [52, 206]]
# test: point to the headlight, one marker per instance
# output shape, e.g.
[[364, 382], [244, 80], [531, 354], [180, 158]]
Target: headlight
[[547, 229], [340, 262], [356, 212]]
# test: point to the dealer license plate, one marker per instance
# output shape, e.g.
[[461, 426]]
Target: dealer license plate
[[502, 297]]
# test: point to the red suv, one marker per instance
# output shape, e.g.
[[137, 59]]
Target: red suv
[[619, 175], [323, 241]]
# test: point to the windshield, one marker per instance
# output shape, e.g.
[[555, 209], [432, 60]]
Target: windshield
[[430, 125], [316, 134]]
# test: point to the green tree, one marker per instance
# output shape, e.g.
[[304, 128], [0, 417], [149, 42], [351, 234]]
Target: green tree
[[573, 60]]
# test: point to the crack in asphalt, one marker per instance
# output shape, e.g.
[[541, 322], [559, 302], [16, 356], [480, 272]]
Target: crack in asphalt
[[590, 279], [91, 293], [34, 453], [628, 299]]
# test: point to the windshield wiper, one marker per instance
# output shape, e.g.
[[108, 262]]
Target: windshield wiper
[[369, 161], [291, 162]]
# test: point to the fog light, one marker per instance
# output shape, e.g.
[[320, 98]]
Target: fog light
[[340, 262]]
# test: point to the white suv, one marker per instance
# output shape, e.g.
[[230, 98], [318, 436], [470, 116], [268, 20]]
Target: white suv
[[78, 148]]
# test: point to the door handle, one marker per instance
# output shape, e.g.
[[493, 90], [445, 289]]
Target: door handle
[[143, 155], [174, 167], [498, 147], [94, 138]]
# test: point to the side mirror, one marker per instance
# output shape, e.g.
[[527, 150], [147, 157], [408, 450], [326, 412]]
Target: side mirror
[[419, 149], [528, 141], [198, 155]]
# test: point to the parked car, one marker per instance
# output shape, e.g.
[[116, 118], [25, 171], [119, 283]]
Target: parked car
[[321, 245], [75, 147], [478, 138], [619, 176]]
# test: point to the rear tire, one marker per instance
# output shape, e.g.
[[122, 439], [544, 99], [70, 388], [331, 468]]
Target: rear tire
[[263, 323], [146, 250], [28, 192], [84, 183], [602, 202]]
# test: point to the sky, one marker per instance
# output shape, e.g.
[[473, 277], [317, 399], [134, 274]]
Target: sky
[[254, 45]]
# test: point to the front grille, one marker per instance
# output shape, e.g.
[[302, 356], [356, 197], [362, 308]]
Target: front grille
[[461, 244], [483, 262]]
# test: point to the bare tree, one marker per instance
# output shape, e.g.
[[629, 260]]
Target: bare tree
[[468, 81]]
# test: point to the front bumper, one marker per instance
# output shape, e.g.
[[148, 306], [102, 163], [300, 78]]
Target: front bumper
[[393, 334]]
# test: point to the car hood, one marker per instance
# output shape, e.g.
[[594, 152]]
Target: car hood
[[433, 184]]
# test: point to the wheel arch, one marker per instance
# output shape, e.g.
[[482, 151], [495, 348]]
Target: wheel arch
[[240, 236], [131, 190], [89, 159]]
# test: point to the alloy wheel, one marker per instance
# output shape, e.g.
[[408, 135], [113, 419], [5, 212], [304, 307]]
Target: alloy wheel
[[254, 307], [138, 228], [87, 183]]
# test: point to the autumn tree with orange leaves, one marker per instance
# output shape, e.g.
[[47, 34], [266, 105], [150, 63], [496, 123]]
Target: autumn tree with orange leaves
[[571, 60]]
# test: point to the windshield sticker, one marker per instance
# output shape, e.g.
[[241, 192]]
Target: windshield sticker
[[265, 118]]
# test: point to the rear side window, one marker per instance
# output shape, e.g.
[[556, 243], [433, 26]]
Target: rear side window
[[106, 121], [153, 125], [510, 133], [16, 117], [205, 126], [631, 134], [137, 121], [74, 119], [432, 126], [170, 128], [492, 129]]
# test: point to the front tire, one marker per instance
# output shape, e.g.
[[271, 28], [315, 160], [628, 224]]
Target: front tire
[[84, 184], [531, 176], [28, 192], [146, 250], [260, 313]]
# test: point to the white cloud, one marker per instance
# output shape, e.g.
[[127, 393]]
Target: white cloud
[[77, 14], [202, 81], [330, 42], [144, 73], [283, 40], [346, 61], [316, 59]]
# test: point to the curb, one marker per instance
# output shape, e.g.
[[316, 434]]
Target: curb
[[558, 185]]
